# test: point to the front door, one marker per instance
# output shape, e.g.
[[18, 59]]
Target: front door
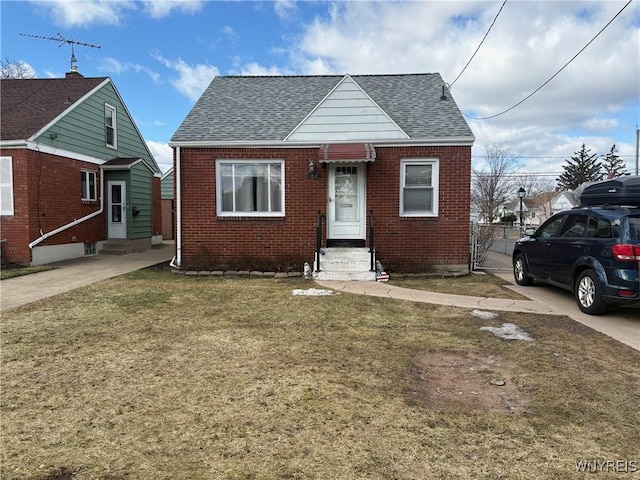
[[346, 219], [117, 214]]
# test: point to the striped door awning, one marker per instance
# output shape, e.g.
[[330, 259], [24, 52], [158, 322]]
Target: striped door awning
[[347, 152]]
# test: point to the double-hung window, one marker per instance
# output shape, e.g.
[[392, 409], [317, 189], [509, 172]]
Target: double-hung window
[[419, 188], [6, 186], [111, 131], [88, 182], [251, 188]]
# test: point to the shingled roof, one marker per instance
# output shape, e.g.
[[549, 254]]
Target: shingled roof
[[27, 105], [267, 109]]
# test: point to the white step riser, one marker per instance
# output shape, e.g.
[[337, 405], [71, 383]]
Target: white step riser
[[346, 264], [346, 276]]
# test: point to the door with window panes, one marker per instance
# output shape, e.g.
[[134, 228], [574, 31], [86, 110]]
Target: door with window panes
[[117, 205], [346, 219]]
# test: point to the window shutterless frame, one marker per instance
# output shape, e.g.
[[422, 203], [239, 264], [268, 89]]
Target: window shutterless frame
[[88, 182], [419, 187], [250, 188], [110, 126], [6, 185]]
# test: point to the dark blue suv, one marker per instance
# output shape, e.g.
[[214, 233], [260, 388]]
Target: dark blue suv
[[593, 252]]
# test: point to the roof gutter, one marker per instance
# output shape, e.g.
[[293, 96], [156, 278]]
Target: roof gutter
[[417, 142], [44, 236]]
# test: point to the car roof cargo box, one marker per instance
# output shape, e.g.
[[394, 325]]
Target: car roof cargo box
[[617, 191]]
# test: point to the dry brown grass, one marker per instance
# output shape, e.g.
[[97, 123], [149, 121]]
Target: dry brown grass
[[475, 284], [153, 376]]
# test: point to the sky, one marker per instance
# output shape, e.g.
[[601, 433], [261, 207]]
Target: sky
[[162, 54]]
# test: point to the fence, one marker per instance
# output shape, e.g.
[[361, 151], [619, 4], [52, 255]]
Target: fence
[[487, 238]]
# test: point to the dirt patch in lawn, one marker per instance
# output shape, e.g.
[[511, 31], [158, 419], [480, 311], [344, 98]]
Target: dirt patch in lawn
[[462, 381]]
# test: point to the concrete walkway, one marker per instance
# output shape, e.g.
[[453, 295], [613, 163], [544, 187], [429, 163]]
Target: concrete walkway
[[71, 274]]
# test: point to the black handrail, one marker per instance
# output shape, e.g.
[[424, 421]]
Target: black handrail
[[318, 241], [372, 249]]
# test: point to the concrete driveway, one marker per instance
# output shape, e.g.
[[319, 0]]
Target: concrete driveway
[[623, 324], [80, 272]]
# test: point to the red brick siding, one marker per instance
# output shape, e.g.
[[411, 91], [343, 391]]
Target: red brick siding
[[47, 195], [211, 241], [156, 201], [439, 241], [167, 219]]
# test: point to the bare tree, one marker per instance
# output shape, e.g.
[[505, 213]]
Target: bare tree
[[16, 69], [535, 185], [493, 185]]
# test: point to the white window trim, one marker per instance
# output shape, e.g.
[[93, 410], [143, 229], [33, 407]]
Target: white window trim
[[7, 184], [221, 213], [95, 186], [115, 125], [434, 162]]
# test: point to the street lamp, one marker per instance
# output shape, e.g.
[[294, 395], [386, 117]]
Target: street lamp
[[521, 194]]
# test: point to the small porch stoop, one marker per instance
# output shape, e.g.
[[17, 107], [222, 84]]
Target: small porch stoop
[[116, 247], [346, 264]]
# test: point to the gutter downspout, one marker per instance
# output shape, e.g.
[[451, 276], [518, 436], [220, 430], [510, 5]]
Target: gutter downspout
[[177, 260], [75, 222]]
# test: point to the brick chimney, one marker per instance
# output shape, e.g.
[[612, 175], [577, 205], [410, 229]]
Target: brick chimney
[[74, 73]]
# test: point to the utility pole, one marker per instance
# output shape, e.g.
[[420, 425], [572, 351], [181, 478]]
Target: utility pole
[[637, 147]]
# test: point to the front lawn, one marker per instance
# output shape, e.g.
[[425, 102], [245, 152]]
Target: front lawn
[[157, 376]]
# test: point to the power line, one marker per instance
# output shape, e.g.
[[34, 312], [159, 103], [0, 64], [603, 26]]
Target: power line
[[555, 74], [481, 42]]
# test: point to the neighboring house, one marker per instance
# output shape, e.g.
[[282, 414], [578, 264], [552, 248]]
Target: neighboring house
[[257, 158], [77, 177], [544, 205], [168, 205]]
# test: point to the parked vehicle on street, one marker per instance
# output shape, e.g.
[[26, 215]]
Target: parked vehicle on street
[[592, 251]]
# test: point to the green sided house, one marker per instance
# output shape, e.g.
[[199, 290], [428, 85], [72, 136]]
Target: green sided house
[[336, 171], [77, 178]]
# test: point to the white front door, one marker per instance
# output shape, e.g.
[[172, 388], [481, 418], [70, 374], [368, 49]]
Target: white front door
[[346, 217], [117, 214]]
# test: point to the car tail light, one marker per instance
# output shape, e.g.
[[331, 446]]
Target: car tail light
[[626, 252], [626, 293]]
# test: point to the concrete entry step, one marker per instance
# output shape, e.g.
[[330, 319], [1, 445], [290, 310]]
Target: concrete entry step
[[346, 264]]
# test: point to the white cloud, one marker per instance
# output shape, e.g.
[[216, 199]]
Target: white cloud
[[285, 9], [72, 13], [227, 30], [116, 67], [600, 124], [163, 8], [192, 79], [258, 70], [163, 154]]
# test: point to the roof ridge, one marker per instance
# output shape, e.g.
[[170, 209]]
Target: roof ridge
[[336, 75]]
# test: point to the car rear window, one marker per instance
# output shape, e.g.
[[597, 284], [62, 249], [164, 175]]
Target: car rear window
[[634, 228], [599, 228]]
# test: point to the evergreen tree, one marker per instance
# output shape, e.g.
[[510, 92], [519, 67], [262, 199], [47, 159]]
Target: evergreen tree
[[580, 168], [613, 165]]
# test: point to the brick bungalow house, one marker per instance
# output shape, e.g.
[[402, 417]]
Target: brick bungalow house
[[76, 176], [266, 166]]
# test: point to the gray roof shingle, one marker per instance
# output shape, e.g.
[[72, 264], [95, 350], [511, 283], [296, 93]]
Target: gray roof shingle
[[256, 109]]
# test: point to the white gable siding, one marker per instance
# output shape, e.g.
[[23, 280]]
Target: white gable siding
[[346, 114]]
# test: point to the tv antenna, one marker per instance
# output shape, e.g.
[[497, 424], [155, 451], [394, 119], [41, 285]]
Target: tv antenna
[[61, 40]]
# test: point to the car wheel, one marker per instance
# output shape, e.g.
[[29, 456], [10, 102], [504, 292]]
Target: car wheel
[[589, 293], [520, 271]]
